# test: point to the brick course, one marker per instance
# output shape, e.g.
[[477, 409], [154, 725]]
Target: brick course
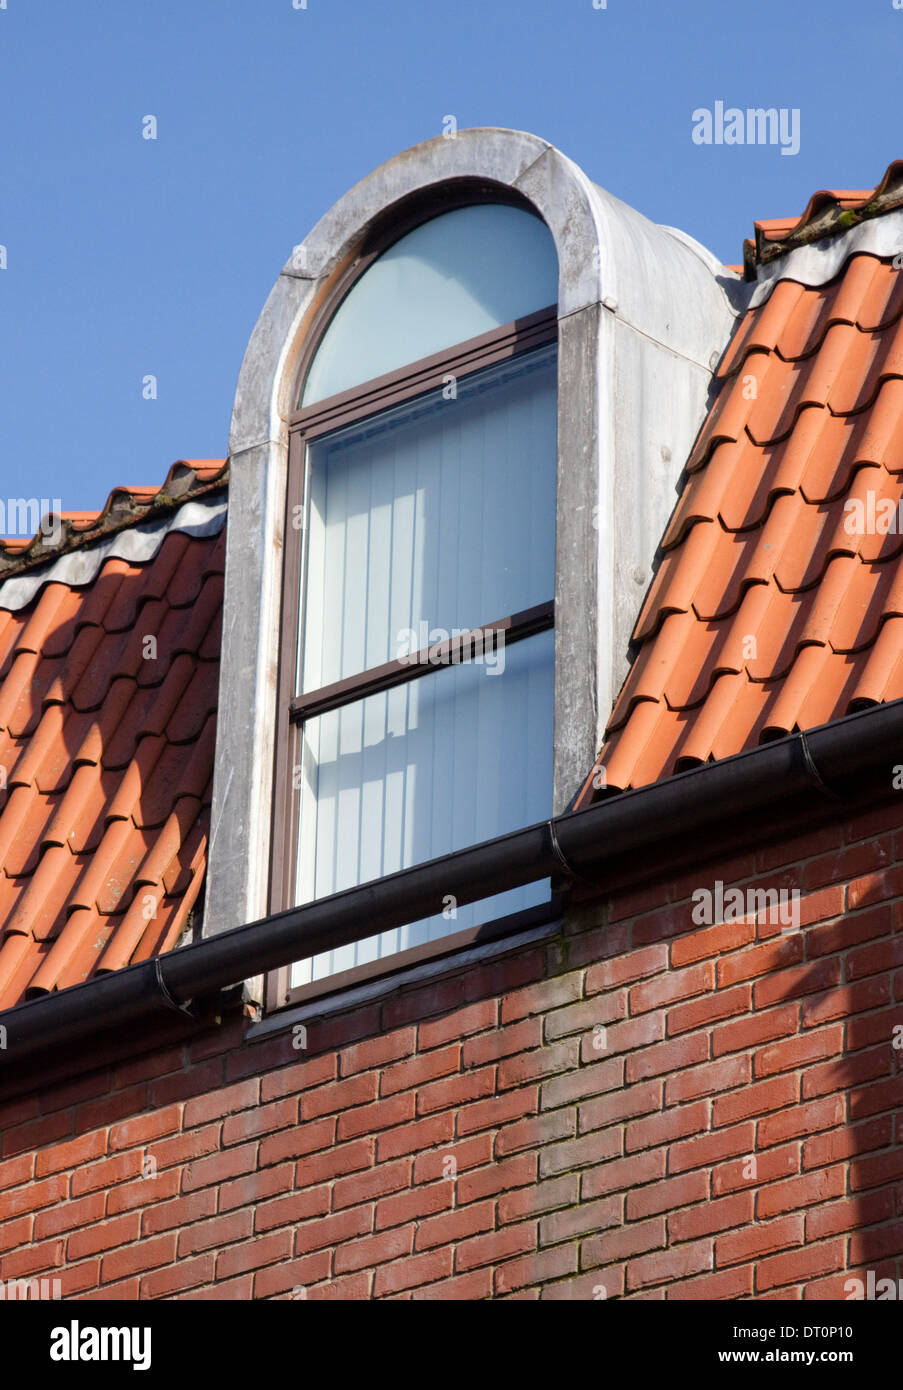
[[647, 1106]]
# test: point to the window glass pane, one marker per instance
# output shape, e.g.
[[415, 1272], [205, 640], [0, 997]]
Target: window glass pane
[[458, 756], [436, 515], [452, 278]]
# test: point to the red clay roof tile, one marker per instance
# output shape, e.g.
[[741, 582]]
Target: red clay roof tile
[[74, 954], [124, 507], [81, 813], [151, 707], [107, 745], [828, 212], [772, 609], [19, 957]]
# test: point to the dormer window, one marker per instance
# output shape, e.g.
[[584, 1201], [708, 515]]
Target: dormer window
[[417, 662], [467, 395]]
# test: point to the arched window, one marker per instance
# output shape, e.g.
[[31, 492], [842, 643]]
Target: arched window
[[417, 676]]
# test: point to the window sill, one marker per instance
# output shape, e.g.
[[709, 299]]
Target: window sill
[[323, 1006]]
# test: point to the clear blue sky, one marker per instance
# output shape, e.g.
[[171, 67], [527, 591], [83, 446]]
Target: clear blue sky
[[128, 257]]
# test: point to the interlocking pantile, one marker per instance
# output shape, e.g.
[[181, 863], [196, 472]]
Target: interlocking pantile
[[771, 610], [106, 741]]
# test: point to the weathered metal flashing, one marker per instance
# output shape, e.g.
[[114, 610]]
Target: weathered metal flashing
[[124, 508]]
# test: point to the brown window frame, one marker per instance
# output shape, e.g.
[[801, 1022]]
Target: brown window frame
[[306, 425]]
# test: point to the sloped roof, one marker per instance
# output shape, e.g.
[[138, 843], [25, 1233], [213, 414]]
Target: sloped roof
[[829, 211], [125, 505], [770, 611], [766, 615], [109, 661]]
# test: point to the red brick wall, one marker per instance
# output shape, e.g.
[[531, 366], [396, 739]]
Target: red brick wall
[[471, 1139]]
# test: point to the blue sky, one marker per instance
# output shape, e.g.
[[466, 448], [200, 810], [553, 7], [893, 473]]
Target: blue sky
[[127, 257]]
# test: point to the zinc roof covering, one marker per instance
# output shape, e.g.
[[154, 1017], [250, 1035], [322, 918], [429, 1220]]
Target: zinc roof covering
[[778, 602], [108, 694]]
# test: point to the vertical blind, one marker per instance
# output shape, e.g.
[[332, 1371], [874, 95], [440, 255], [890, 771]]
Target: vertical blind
[[434, 516]]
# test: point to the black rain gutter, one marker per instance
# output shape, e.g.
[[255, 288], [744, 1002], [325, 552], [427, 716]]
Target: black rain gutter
[[786, 778]]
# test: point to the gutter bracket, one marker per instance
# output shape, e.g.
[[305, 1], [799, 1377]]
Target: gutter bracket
[[171, 1003], [571, 874], [813, 771]]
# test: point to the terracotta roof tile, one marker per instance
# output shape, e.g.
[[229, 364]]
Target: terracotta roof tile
[[678, 577], [75, 952], [179, 772], [82, 812], [151, 708], [136, 780], [107, 744], [40, 911], [19, 957], [795, 319], [18, 807], [164, 849], [124, 507], [828, 212], [197, 702], [189, 863], [773, 609], [32, 835], [15, 691]]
